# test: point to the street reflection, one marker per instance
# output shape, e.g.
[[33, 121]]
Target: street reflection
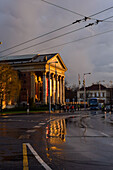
[[3, 129], [56, 129], [55, 137]]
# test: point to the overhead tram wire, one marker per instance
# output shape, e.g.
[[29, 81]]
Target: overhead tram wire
[[90, 24], [105, 32], [85, 17], [77, 21], [43, 42], [63, 8], [25, 42]]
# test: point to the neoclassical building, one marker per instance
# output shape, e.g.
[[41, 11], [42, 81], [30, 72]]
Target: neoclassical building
[[34, 72]]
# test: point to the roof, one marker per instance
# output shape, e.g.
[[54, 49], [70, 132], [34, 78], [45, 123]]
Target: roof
[[33, 58], [26, 58], [94, 87]]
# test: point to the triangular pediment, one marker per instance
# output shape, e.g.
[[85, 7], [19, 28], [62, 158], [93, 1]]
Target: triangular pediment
[[60, 64]]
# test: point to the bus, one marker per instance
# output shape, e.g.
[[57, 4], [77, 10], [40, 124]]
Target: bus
[[95, 103]]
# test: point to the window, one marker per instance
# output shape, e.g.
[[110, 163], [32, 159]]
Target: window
[[81, 95]]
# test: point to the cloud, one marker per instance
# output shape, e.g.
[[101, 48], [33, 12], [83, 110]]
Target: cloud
[[25, 19]]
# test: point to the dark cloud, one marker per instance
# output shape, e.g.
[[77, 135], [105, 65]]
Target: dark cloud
[[25, 19]]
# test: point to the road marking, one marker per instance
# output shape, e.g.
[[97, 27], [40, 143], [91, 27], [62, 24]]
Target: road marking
[[38, 157], [42, 123], [25, 158], [104, 134], [31, 131], [36, 126]]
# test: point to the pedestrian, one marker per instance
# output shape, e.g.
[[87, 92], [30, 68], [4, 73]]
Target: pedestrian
[[67, 108], [78, 107], [64, 108], [72, 108]]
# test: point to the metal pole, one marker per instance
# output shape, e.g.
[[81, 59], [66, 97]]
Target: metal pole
[[85, 91], [49, 92], [27, 102], [84, 94], [111, 96], [99, 89]]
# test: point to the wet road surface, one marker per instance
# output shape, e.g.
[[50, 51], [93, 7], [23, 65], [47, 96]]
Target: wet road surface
[[83, 141]]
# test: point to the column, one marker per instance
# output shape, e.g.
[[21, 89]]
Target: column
[[60, 90], [44, 89], [63, 90], [53, 89], [33, 86], [56, 94]]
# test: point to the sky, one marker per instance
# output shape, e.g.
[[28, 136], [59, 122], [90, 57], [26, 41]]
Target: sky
[[86, 49]]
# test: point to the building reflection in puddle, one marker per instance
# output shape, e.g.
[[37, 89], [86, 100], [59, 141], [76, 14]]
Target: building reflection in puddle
[[55, 137], [56, 129]]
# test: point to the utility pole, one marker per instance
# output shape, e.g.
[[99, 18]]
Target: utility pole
[[85, 89], [1, 94], [111, 96]]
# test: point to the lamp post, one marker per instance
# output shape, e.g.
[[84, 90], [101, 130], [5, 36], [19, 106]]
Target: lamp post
[[85, 89], [49, 85], [111, 95], [1, 94]]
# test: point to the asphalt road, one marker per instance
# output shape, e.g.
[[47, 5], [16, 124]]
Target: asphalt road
[[58, 141]]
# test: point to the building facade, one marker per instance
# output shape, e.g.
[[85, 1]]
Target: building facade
[[94, 91], [37, 73]]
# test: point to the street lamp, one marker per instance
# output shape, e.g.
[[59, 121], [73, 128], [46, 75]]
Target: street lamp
[[85, 89], [49, 85], [111, 95]]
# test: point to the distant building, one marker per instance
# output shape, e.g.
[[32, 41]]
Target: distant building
[[71, 95], [33, 72], [95, 90]]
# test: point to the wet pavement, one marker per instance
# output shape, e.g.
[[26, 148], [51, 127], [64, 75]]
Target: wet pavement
[[63, 141]]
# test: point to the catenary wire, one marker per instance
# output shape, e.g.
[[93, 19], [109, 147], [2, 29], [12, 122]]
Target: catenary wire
[[79, 13], [90, 24], [36, 38], [105, 32], [44, 41], [25, 42], [63, 8]]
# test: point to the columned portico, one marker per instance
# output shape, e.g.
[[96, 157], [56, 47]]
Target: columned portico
[[53, 89], [44, 88], [60, 89], [56, 94], [33, 86], [63, 90], [33, 73]]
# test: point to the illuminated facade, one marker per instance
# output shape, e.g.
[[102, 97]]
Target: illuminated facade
[[34, 75]]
